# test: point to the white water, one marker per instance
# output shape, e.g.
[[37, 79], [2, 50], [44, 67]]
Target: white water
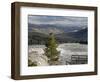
[[66, 50]]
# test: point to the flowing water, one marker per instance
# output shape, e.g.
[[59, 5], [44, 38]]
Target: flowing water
[[35, 53]]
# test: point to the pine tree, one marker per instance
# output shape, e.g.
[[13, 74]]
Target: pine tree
[[51, 50]]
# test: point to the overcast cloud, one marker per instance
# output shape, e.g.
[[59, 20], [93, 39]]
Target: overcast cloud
[[58, 20]]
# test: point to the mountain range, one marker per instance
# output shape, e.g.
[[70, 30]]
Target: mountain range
[[56, 29], [38, 34]]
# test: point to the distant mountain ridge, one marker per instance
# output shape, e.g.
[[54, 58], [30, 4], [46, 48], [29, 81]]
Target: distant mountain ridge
[[39, 36], [48, 28], [78, 35]]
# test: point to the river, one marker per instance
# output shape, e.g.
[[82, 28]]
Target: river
[[35, 53]]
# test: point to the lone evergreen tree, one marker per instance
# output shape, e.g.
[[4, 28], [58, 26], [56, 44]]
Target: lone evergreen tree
[[51, 50]]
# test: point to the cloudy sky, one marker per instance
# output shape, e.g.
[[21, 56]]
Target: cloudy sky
[[67, 21]]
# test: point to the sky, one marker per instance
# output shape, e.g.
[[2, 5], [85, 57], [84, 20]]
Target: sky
[[66, 21]]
